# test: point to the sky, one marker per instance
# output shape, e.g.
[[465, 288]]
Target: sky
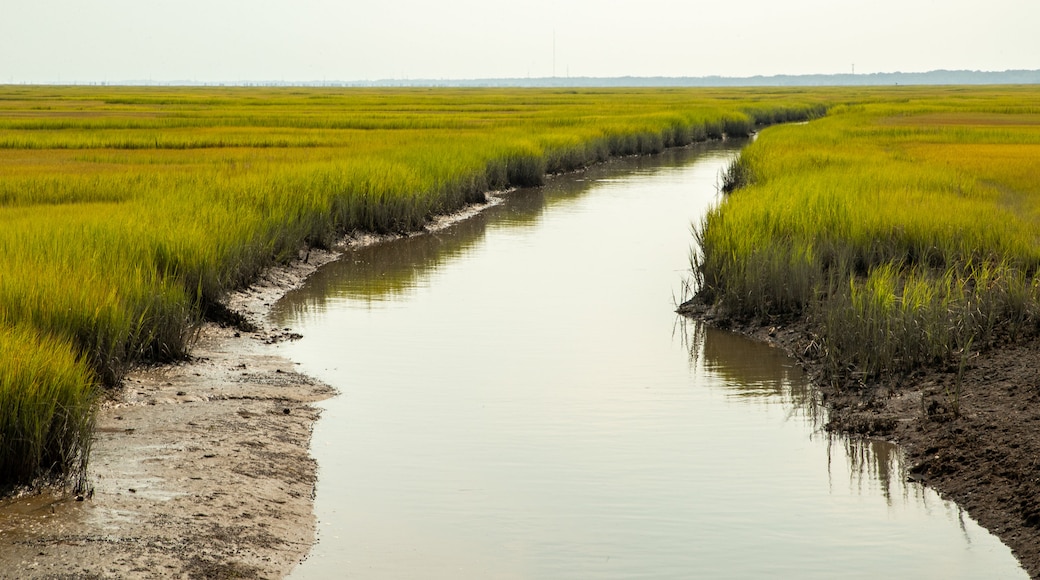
[[81, 41]]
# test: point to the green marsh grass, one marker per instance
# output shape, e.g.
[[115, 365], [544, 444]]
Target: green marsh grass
[[127, 214], [905, 224], [47, 406]]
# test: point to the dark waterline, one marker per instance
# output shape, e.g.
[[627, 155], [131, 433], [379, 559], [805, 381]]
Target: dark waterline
[[518, 401]]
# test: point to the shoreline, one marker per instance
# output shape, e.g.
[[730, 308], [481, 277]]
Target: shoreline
[[202, 468], [984, 457]]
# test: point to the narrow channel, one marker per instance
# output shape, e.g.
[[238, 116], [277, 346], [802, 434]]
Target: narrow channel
[[518, 400]]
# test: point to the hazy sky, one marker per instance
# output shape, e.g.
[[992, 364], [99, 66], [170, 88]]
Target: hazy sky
[[303, 40]]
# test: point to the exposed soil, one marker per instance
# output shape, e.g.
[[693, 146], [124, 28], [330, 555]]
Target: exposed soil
[[199, 469], [973, 436]]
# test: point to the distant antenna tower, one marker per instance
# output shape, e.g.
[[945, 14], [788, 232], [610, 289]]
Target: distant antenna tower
[[853, 68], [554, 53]]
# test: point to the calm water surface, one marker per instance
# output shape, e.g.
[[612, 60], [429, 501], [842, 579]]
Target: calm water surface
[[518, 400]]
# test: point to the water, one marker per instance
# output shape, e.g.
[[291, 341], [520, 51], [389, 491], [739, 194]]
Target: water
[[518, 400]]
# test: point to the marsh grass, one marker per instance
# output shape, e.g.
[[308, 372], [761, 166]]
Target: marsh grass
[[47, 409], [905, 224], [127, 214]]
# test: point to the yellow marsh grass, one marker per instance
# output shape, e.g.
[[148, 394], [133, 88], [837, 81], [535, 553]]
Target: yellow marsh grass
[[127, 213], [46, 407], [905, 223]]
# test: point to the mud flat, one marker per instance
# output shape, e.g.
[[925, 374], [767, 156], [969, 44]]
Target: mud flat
[[973, 436], [200, 469]]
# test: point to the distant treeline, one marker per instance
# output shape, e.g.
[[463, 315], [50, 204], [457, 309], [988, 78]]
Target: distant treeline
[[935, 77]]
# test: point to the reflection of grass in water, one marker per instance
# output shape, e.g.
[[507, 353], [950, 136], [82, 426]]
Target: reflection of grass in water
[[874, 460], [383, 271], [389, 270], [128, 213], [750, 370]]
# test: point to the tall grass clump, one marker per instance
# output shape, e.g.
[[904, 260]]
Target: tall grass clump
[[904, 225], [47, 407], [128, 214]]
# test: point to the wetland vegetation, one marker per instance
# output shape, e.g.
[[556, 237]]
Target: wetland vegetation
[[128, 213], [903, 225], [900, 223]]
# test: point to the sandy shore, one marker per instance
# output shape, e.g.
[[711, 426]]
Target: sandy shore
[[199, 469]]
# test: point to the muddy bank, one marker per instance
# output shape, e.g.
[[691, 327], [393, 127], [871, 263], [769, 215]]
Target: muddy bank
[[199, 469], [972, 436]]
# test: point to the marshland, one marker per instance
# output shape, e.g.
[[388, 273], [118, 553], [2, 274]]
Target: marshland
[[906, 230], [499, 418], [895, 228], [128, 214], [893, 246]]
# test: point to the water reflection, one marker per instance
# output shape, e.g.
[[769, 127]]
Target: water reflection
[[749, 372], [748, 369], [385, 272], [875, 461], [861, 465], [516, 403]]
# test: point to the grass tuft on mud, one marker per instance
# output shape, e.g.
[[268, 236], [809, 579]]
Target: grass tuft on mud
[[47, 409]]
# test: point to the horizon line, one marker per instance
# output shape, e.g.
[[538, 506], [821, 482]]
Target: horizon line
[[553, 81]]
